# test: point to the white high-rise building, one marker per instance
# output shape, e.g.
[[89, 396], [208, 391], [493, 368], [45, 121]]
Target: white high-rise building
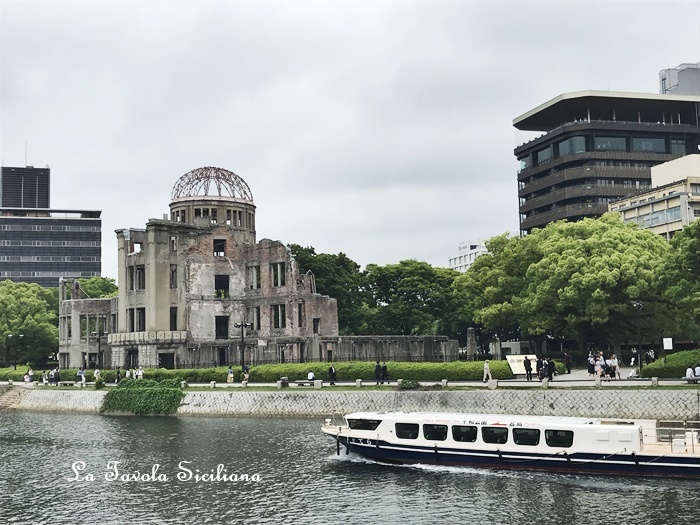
[[681, 80], [466, 255]]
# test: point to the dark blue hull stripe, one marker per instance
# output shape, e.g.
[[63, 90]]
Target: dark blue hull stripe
[[622, 464]]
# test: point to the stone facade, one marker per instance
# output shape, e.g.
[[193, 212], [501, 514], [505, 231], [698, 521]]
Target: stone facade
[[196, 289]]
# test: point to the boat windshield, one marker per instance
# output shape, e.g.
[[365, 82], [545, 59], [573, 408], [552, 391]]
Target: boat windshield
[[364, 424]]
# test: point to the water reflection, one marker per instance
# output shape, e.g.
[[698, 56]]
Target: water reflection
[[302, 480]]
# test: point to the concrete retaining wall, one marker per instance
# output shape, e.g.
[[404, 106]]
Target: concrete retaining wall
[[624, 403]]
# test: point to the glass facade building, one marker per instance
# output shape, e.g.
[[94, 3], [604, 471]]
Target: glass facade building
[[39, 244], [597, 147]]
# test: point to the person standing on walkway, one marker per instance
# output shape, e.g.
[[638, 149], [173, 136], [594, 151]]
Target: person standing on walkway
[[528, 368], [568, 360], [487, 371], [229, 375], [377, 372], [385, 373], [331, 374], [119, 374]]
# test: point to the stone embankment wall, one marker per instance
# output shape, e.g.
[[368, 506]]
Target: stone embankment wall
[[624, 403]]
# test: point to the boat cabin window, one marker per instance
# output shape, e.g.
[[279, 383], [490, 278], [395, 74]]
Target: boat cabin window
[[526, 436], [407, 430], [435, 432], [364, 424], [497, 435], [464, 434], [559, 438]]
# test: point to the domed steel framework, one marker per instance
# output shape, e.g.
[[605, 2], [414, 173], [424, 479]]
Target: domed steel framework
[[199, 183]]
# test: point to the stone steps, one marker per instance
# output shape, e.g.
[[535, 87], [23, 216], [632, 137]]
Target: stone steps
[[10, 399]]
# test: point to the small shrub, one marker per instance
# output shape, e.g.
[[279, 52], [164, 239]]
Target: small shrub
[[409, 384]]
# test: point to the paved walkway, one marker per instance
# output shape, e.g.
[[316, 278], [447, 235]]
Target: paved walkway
[[577, 378]]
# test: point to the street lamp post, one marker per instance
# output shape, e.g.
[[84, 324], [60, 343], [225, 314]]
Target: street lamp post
[[99, 335], [243, 326]]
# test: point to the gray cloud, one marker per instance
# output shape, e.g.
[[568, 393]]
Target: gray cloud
[[381, 129]]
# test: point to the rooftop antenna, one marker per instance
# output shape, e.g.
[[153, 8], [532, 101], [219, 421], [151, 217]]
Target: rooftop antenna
[[25, 153]]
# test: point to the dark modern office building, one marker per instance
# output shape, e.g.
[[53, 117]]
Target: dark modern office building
[[598, 146], [39, 244]]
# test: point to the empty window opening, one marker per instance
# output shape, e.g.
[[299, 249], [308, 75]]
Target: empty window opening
[[130, 320], [140, 319], [213, 215], [221, 286], [221, 327], [228, 217], [279, 319], [253, 317], [278, 273], [197, 212], [130, 277], [135, 247], [302, 313], [173, 243], [219, 247], [173, 276], [254, 277], [173, 318], [140, 277], [317, 325]]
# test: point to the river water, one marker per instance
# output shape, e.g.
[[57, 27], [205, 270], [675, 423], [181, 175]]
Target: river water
[[293, 475]]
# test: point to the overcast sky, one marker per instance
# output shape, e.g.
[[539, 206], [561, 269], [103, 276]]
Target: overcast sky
[[381, 129]]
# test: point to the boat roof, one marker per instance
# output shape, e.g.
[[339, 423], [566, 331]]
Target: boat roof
[[483, 419]]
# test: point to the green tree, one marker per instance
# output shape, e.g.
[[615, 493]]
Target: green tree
[[27, 322], [98, 287], [485, 292], [339, 277], [680, 281], [409, 298], [592, 280], [595, 278]]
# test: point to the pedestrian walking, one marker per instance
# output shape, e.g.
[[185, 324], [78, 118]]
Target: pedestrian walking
[[487, 371]]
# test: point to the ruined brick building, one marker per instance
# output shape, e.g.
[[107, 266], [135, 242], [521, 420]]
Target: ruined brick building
[[197, 289]]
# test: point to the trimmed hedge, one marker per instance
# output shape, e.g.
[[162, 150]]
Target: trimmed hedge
[[675, 365], [345, 371]]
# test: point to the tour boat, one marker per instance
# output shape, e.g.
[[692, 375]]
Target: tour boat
[[560, 444]]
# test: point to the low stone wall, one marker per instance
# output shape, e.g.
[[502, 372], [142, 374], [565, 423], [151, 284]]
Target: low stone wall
[[637, 404], [624, 403], [54, 400]]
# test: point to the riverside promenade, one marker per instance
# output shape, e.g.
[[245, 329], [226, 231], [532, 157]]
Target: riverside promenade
[[568, 395]]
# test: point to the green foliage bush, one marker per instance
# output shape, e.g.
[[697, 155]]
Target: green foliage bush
[[409, 384], [675, 365], [144, 396]]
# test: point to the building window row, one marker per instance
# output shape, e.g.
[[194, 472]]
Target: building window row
[[237, 218], [46, 258], [72, 244], [48, 274], [658, 217], [49, 228], [580, 144]]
